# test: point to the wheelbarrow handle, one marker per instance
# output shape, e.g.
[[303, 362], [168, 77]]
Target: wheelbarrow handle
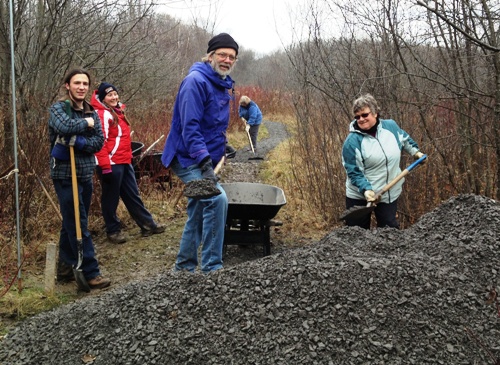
[[144, 154]]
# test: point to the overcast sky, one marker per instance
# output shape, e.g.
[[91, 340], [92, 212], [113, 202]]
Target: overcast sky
[[261, 25]]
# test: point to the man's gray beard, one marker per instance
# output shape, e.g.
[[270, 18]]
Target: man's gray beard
[[222, 74]]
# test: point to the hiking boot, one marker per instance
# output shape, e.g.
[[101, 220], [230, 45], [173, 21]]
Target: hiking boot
[[64, 272], [99, 282], [160, 228], [230, 151], [117, 238]]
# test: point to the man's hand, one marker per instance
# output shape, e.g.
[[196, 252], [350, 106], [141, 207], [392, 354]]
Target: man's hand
[[207, 170], [247, 127], [418, 155], [60, 150], [90, 122], [370, 196], [77, 141], [107, 176]]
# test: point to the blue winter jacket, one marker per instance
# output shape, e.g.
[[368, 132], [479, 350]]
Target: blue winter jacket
[[200, 119], [251, 113], [372, 162]]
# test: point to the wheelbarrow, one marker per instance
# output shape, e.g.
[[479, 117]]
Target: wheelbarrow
[[251, 209], [148, 164], [137, 148]]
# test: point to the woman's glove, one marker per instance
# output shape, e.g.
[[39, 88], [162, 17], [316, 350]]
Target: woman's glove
[[370, 196], [107, 176], [418, 155]]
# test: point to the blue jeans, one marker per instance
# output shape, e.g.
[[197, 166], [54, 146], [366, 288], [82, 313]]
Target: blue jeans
[[68, 244], [123, 185], [205, 225], [385, 214]]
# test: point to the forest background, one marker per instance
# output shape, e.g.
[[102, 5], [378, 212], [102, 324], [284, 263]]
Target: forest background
[[434, 67]]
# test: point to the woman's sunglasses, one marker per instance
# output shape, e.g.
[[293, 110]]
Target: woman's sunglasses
[[364, 115]]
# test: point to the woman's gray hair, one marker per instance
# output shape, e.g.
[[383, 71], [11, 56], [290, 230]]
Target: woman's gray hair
[[245, 100], [364, 101]]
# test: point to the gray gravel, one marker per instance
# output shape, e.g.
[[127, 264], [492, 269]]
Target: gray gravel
[[415, 296], [277, 134]]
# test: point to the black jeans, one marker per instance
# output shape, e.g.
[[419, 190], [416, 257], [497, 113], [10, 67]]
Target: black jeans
[[385, 214], [123, 185]]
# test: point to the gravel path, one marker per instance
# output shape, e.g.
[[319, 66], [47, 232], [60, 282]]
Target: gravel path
[[414, 296]]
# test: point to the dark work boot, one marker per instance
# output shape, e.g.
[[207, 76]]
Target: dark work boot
[[64, 272], [117, 238], [159, 228]]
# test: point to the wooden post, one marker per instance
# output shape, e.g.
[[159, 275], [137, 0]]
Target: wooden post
[[50, 267]]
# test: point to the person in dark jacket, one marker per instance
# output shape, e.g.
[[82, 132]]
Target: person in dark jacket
[[371, 156], [80, 128], [250, 111], [115, 167], [194, 146]]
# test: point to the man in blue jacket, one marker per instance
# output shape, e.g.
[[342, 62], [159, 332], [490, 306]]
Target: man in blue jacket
[[196, 143]]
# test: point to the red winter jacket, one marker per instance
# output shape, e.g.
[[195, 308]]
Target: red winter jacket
[[117, 147]]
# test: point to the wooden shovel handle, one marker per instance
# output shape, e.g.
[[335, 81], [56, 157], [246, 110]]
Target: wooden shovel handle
[[76, 202], [220, 164], [399, 177]]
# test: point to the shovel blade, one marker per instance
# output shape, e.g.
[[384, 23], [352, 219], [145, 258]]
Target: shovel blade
[[357, 212], [201, 189], [81, 282]]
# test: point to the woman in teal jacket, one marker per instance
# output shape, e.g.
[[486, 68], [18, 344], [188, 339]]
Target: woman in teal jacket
[[371, 156]]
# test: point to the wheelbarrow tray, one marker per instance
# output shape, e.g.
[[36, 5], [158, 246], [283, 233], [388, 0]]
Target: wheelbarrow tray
[[253, 201], [137, 148]]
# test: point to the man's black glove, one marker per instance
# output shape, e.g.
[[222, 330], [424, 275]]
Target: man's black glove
[[207, 170]]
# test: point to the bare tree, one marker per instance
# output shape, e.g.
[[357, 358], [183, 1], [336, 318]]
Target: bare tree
[[434, 68]]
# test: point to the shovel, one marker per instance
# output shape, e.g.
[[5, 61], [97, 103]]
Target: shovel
[[77, 271], [255, 157], [360, 211], [203, 188]]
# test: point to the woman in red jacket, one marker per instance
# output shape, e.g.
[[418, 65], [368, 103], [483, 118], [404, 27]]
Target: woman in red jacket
[[115, 167]]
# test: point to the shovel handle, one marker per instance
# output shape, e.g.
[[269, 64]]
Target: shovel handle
[[248, 135], [400, 176], [220, 164], [76, 202], [74, 182]]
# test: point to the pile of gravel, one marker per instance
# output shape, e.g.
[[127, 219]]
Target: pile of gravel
[[415, 296]]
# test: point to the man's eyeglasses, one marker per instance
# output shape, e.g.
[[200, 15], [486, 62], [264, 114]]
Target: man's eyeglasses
[[364, 115], [223, 56]]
